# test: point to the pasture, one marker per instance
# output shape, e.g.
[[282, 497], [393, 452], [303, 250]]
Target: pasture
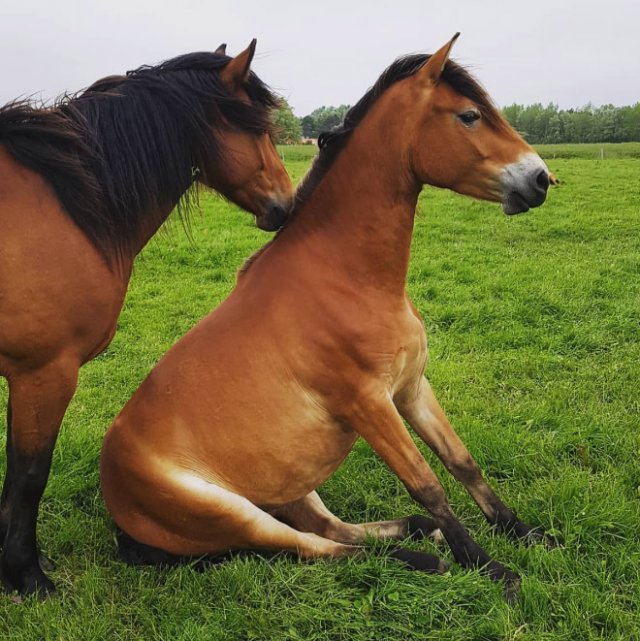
[[534, 332]]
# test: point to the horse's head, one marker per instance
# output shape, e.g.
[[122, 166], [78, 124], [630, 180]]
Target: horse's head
[[461, 141], [249, 172]]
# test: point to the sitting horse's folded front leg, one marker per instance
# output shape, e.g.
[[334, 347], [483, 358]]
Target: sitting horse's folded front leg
[[378, 422], [427, 418], [310, 514]]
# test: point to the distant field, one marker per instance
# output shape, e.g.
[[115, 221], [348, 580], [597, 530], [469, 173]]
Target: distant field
[[594, 151], [534, 333]]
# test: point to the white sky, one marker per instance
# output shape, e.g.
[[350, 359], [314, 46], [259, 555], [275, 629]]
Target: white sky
[[328, 52]]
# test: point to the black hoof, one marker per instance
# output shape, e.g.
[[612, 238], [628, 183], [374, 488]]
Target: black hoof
[[27, 581], [550, 541], [520, 531], [537, 536], [420, 561], [512, 589], [420, 527], [46, 563], [498, 572]]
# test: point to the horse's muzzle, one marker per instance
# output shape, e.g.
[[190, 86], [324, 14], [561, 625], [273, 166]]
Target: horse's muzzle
[[274, 216], [524, 184]]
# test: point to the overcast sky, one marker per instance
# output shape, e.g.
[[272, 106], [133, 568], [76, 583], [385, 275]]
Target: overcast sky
[[329, 52]]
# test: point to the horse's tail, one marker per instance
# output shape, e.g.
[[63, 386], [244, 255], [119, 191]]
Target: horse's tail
[[133, 552], [136, 553]]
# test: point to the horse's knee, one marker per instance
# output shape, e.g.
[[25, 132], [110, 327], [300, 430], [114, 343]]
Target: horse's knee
[[464, 468]]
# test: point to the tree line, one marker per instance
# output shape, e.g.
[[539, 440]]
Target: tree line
[[537, 123], [290, 128], [540, 124]]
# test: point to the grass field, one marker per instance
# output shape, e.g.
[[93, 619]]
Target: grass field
[[567, 151], [534, 326]]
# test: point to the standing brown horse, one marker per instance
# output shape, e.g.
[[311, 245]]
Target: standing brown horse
[[224, 444], [83, 186]]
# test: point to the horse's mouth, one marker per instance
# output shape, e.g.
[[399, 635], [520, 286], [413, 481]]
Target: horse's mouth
[[273, 219], [514, 203], [275, 213], [525, 184]]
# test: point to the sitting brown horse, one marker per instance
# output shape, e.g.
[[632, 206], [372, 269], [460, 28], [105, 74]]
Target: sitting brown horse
[[224, 444], [83, 186]]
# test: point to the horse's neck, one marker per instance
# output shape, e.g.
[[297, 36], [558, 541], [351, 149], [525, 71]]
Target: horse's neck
[[150, 225], [122, 265], [360, 217]]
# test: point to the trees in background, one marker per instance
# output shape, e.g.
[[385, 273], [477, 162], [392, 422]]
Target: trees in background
[[537, 123], [540, 124], [322, 119], [288, 130]]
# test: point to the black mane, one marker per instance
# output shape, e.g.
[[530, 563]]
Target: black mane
[[125, 149], [332, 142]]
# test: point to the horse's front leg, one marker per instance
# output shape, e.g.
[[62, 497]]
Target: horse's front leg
[[427, 418], [376, 419], [39, 399], [4, 498], [310, 514]]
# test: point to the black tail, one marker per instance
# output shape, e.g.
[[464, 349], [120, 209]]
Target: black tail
[[135, 553]]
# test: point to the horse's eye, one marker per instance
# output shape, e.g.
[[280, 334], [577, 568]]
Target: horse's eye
[[469, 118]]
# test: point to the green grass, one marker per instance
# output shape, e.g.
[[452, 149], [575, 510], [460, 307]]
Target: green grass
[[534, 331]]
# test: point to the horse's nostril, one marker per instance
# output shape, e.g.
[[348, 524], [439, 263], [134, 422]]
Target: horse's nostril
[[542, 180]]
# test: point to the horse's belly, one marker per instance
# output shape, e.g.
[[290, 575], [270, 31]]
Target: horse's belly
[[57, 295], [275, 464]]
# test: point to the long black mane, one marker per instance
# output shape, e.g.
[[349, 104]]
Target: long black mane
[[122, 151], [332, 142]]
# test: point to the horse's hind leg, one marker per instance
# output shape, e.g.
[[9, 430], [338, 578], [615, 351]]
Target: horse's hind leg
[[310, 514], [203, 519], [429, 421], [39, 400]]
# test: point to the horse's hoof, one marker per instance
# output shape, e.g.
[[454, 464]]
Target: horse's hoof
[[520, 531], [420, 561], [512, 589], [443, 566], [27, 581], [550, 541], [46, 563], [511, 580], [421, 527], [537, 536]]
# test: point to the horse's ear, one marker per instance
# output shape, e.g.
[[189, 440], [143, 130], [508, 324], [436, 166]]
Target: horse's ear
[[221, 50], [431, 71], [236, 72]]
